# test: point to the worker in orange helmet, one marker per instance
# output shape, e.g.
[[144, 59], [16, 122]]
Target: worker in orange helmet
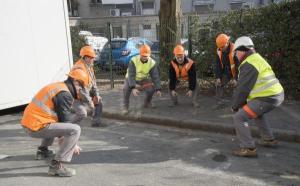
[[225, 65], [48, 116], [142, 75], [91, 99], [182, 73]]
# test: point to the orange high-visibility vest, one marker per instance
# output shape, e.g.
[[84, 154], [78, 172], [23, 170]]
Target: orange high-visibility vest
[[182, 72], [88, 70], [40, 110], [232, 63]]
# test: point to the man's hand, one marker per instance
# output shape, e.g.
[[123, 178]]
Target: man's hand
[[135, 92], [158, 93], [77, 150], [233, 82], [234, 110], [189, 93], [173, 93], [96, 100], [218, 82]]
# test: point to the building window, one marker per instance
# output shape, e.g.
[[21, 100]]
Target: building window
[[96, 1], [148, 5], [147, 27], [235, 5]]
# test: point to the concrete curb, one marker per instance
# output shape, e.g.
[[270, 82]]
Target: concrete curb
[[283, 135]]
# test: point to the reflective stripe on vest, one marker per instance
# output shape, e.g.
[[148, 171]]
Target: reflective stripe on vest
[[231, 60], [40, 111], [183, 72], [266, 84], [142, 69]]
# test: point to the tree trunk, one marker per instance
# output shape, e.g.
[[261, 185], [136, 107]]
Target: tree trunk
[[169, 31]]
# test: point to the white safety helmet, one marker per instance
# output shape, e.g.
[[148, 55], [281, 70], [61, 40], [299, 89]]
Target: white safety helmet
[[243, 41]]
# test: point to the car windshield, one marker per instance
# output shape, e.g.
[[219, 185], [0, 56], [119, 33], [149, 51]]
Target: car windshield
[[118, 44]]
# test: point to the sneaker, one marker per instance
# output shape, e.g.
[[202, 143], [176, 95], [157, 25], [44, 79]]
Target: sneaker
[[56, 168], [44, 154], [245, 152], [268, 143]]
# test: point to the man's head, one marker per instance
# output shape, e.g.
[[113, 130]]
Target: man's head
[[241, 46], [79, 79], [145, 52], [222, 41], [88, 54], [179, 53]]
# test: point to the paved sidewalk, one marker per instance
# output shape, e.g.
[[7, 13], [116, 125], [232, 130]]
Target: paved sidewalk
[[210, 116]]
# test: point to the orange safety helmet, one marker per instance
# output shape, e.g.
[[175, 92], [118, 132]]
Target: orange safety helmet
[[87, 51], [178, 50], [222, 40], [145, 50], [79, 75]]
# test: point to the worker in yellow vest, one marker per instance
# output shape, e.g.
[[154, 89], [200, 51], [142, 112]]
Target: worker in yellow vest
[[182, 73], [258, 92], [92, 101], [49, 115], [225, 66], [142, 75]]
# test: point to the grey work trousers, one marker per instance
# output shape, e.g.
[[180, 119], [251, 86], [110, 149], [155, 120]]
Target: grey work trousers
[[241, 118], [70, 133], [184, 84], [149, 91], [81, 110]]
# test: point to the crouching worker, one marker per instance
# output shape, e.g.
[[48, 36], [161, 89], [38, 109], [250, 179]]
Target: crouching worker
[[91, 101], [142, 74], [182, 72], [48, 116], [258, 92]]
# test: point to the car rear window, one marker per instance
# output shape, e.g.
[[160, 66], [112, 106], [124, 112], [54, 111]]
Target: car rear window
[[118, 44]]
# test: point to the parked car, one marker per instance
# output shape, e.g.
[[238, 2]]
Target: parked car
[[122, 51]]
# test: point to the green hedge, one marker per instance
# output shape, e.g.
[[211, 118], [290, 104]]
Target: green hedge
[[275, 30]]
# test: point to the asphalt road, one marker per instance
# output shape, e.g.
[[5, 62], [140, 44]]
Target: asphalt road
[[136, 154]]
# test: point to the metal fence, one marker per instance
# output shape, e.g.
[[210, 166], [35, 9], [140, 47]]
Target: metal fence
[[116, 41]]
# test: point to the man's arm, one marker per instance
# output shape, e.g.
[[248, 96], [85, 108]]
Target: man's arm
[[218, 68], [192, 77], [131, 74], [172, 77], [154, 74], [247, 79], [62, 105]]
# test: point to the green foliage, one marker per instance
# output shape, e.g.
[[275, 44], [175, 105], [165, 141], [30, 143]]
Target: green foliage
[[77, 42], [275, 33]]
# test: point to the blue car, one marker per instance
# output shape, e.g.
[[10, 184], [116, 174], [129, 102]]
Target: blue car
[[122, 52]]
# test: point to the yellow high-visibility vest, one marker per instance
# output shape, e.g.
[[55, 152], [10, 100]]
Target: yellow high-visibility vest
[[142, 69], [266, 84]]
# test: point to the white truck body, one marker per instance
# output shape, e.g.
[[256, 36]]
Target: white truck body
[[35, 48]]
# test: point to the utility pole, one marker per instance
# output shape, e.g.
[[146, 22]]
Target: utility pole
[[169, 30]]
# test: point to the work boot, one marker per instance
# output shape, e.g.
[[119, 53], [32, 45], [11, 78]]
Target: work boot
[[124, 111], [43, 153], [148, 105], [268, 143], [56, 168], [245, 152]]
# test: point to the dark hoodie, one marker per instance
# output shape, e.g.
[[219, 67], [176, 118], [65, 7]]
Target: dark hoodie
[[191, 74], [63, 102]]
